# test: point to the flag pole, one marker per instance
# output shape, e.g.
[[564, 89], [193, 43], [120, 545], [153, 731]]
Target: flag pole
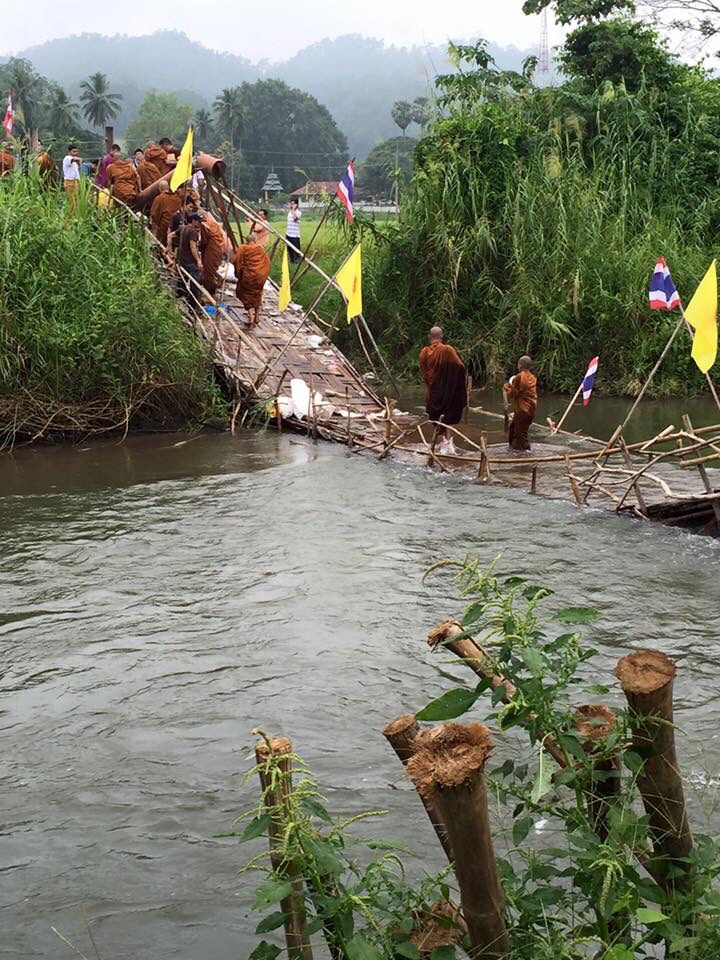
[[710, 384], [655, 369], [569, 408]]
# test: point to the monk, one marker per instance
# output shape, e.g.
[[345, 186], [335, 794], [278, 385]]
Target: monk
[[260, 227], [522, 389], [252, 268], [122, 178], [47, 167], [146, 171], [163, 207], [445, 383], [7, 162], [213, 247], [157, 157]]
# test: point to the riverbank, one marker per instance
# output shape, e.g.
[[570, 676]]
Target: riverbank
[[91, 341]]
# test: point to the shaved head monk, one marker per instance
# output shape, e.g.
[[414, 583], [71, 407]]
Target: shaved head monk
[[445, 384], [522, 389]]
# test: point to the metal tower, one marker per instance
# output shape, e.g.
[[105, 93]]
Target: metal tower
[[543, 67]]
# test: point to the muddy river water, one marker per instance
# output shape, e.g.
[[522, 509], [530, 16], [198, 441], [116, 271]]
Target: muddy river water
[[163, 596]]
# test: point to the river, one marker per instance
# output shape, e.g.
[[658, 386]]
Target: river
[[163, 596]]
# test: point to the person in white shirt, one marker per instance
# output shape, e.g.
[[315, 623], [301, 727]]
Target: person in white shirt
[[71, 173], [292, 233]]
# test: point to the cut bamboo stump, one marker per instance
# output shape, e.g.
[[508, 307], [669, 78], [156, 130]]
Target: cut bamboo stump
[[276, 794], [646, 678], [440, 925], [448, 770], [594, 723], [401, 733]]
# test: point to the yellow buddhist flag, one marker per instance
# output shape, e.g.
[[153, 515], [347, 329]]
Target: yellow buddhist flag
[[284, 291], [701, 314], [349, 279], [183, 171]]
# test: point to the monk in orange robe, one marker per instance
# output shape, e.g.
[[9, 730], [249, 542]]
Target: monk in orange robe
[[157, 157], [163, 207], [48, 169], [122, 179], [7, 162], [213, 246], [445, 383], [252, 268], [148, 173], [522, 389]]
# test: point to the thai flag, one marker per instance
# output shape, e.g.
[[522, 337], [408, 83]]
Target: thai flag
[[588, 380], [9, 118], [663, 295], [345, 190]]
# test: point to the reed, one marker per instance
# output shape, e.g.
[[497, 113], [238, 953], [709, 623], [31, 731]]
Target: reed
[[86, 324]]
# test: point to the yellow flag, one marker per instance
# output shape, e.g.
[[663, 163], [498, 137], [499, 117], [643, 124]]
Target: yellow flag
[[284, 291], [349, 279], [183, 171], [701, 314]]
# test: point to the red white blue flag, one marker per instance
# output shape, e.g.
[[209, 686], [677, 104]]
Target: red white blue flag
[[663, 295], [9, 119], [345, 190], [588, 380]]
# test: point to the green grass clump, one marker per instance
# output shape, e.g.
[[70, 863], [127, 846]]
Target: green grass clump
[[85, 323]]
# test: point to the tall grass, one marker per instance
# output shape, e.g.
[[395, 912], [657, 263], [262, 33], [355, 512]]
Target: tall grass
[[533, 225], [85, 322]]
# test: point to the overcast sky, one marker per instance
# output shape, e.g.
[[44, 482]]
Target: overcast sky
[[275, 29]]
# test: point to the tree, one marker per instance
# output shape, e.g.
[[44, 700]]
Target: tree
[[402, 114], [289, 130], [160, 115], [28, 90], [203, 127], [99, 104], [62, 112], [230, 114], [580, 11], [421, 113], [387, 164], [698, 18]]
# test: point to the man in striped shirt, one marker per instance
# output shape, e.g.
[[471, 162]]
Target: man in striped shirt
[[292, 234]]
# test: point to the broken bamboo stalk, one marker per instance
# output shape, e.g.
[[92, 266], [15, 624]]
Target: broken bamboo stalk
[[646, 678], [448, 769], [401, 734], [594, 723], [573, 482], [276, 799]]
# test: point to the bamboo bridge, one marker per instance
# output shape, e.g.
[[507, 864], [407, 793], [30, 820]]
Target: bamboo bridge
[[288, 368]]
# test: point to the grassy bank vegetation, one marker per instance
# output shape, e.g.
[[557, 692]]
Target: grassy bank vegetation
[[535, 216], [89, 338]]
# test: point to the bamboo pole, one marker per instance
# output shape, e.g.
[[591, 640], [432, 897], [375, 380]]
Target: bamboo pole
[[646, 678], [484, 464], [703, 472], [573, 482], [448, 769], [554, 429], [401, 734], [635, 485], [654, 370], [274, 755]]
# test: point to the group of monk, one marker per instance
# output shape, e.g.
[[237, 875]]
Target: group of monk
[[446, 392]]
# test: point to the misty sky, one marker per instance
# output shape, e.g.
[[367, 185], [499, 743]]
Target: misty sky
[[274, 30]]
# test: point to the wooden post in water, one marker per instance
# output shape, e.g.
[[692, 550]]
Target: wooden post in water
[[274, 756], [646, 678], [483, 466], [448, 770], [573, 482], [401, 734]]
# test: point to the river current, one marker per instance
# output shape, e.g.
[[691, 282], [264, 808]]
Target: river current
[[164, 596]]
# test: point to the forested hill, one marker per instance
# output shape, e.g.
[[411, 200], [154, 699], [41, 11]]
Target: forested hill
[[358, 79]]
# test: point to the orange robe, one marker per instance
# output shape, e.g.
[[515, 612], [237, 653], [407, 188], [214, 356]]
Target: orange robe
[[212, 246], [48, 170], [148, 174], [157, 156], [445, 384], [161, 213], [523, 390], [122, 177], [7, 163], [252, 268]]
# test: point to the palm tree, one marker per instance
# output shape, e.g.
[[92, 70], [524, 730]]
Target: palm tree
[[26, 87], [203, 126], [421, 113], [402, 114], [62, 111], [230, 113], [99, 105]]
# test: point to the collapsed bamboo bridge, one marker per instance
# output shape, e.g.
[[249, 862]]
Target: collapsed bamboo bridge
[[288, 368]]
